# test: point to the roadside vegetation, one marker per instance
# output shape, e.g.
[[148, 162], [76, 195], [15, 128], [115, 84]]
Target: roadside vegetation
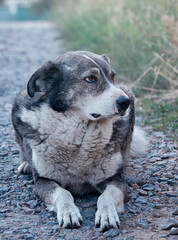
[[140, 37]]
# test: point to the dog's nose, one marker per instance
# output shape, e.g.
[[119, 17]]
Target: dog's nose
[[122, 103]]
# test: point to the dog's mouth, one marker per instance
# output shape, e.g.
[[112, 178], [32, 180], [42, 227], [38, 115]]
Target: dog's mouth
[[95, 115]]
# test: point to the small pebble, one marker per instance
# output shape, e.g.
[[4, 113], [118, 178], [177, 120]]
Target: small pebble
[[170, 224], [142, 192], [143, 223], [165, 156], [175, 212], [32, 203], [174, 231], [141, 199], [112, 232], [141, 180], [28, 237], [148, 187], [171, 194], [4, 210], [165, 235], [55, 228]]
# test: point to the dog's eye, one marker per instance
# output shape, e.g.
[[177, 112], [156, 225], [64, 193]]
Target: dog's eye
[[90, 79], [113, 76]]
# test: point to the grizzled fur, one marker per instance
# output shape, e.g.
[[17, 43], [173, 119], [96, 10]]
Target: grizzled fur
[[72, 138]]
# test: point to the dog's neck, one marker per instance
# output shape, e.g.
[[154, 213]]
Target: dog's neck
[[70, 127], [79, 128]]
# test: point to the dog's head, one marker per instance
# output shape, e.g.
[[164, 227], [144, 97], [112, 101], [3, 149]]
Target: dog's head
[[82, 81]]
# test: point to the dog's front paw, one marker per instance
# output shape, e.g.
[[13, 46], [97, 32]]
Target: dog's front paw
[[107, 217], [69, 216]]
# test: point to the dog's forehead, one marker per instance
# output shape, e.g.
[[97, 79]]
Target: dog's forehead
[[84, 61]]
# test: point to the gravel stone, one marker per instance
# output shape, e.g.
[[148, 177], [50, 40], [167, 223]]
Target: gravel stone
[[142, 192], [98, 233], [141, 180], [174, 231], [5, 189], [112, 233], [116, 238], [143, 223], [28, 237], [171, 194], [170, 224], [33, 203], [148, 187], [141, 199], [165, 235], [4, 210], [2, 215], [165, 156], [175, 212], [55, 228]]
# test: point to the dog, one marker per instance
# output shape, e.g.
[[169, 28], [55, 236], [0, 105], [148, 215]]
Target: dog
[[75, 130]]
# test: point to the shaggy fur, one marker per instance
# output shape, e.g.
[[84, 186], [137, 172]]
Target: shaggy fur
[[74, 128]]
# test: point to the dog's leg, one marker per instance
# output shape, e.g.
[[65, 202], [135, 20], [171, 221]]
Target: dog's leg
[[110, 203], [24, 167], [25, 152], [59, 200]]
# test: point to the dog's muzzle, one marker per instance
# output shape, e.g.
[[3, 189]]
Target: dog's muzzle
[[122, 104]]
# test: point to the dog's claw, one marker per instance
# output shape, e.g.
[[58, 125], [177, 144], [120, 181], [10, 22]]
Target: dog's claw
[[97, 225], [106, 218], [118, 224]]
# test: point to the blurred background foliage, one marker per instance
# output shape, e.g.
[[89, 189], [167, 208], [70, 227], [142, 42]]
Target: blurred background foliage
[[141, 38], [132, 33]]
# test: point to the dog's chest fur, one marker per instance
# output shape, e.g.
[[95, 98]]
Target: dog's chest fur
[[71, 149]]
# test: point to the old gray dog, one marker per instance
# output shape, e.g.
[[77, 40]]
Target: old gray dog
[[75, 129]]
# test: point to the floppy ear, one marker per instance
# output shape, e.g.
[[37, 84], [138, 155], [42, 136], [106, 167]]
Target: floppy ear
[[43, 78], [106, 58]]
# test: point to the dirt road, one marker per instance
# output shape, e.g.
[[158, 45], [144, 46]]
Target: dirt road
[[152, 179]]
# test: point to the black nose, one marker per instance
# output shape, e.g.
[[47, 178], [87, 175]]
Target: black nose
[[122, 103]]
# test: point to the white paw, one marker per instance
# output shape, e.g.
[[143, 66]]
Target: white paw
[[68, 215], [106, 217], [24, 168]]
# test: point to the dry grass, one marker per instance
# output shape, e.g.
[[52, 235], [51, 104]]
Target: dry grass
[[141, 38]]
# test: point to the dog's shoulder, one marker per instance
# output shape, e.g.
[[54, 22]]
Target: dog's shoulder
[[24, 104]]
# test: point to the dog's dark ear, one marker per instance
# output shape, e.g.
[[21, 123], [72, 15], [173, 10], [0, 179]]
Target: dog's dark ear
[[43, 78], [106, 58]]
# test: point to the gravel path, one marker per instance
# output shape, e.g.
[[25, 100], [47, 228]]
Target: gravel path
[[151, 203]]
